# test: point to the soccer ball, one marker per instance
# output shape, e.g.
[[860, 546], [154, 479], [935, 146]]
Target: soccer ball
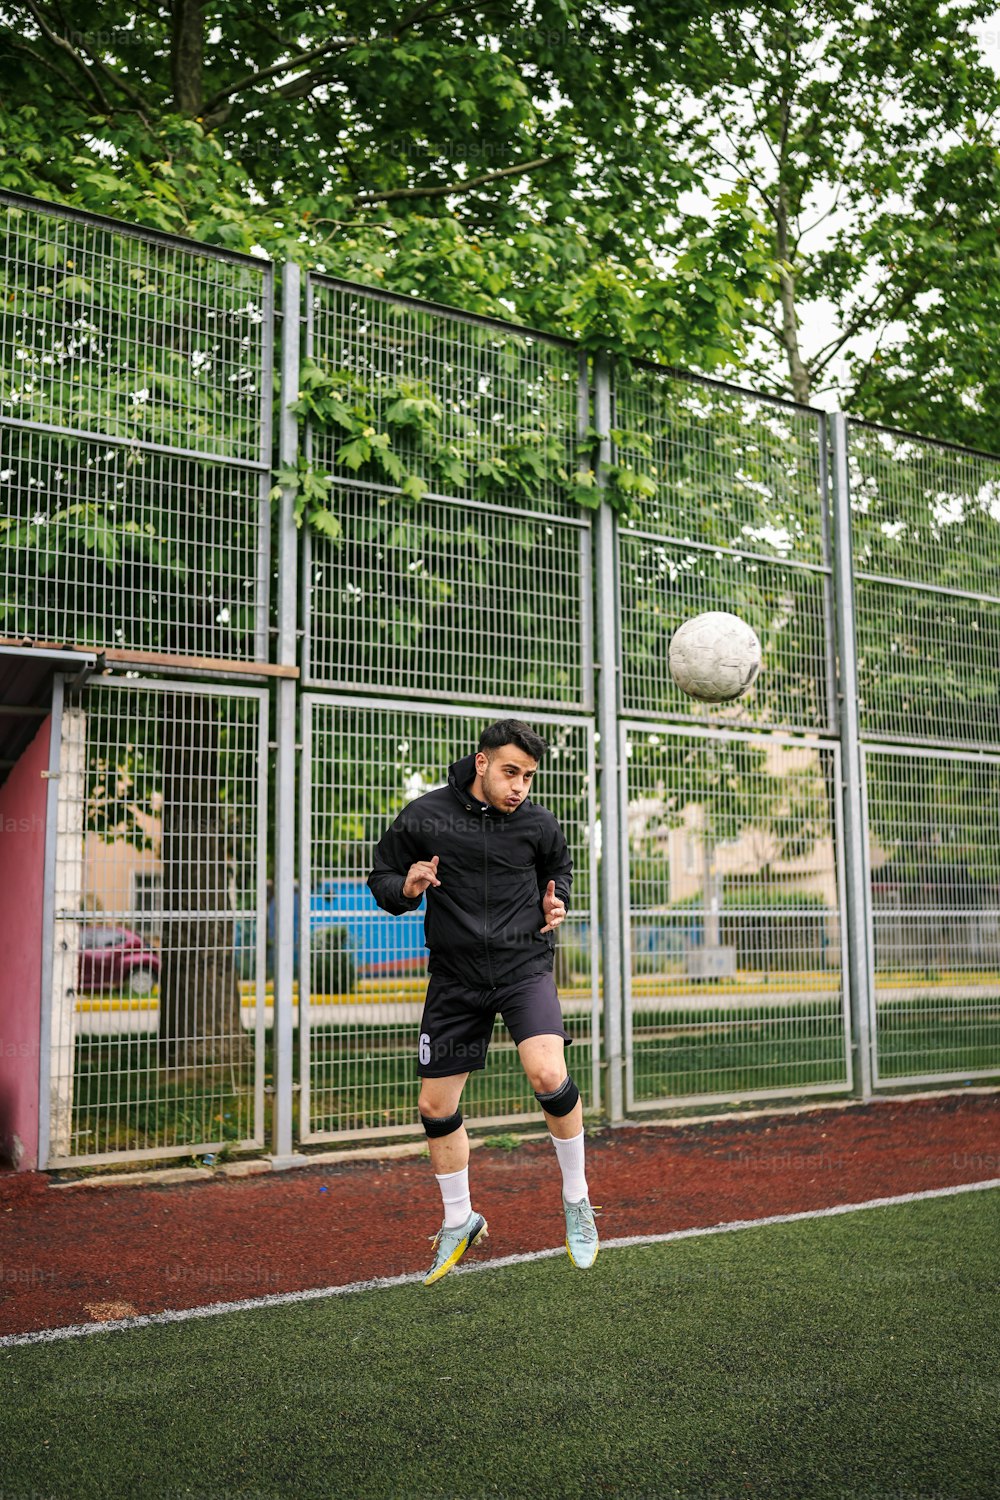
[[714, 657]]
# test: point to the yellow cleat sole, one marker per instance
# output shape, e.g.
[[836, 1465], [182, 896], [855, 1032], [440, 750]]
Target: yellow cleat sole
[[456, 1256]]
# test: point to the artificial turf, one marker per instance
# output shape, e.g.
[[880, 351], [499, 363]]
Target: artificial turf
[[848, 1358]]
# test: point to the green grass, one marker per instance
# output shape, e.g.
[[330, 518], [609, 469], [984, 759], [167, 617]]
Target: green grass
[[124, 1100], [358, 1080], [753, 1048], [944, 1037], [738, 1051], [368, 1081], [850, 1358]]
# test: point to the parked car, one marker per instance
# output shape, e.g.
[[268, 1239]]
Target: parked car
[[116, 958]]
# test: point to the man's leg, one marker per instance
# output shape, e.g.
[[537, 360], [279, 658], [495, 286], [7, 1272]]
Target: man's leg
[[448, 1142], [438, 1105], [543, 1059], [544, 1062]]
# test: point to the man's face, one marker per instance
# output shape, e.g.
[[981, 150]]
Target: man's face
[[505, 776]]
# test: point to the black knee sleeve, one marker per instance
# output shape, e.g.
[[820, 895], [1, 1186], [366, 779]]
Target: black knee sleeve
[[561, 1100], [447, 1126]]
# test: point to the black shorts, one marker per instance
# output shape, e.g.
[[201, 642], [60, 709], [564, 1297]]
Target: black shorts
[[457, 1023]]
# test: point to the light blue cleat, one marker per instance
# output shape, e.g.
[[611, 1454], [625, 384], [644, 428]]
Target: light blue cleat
[[581, 1233], [451, 1244]]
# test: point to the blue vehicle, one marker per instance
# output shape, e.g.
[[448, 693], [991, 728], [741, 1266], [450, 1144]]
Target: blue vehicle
[[381, 944]]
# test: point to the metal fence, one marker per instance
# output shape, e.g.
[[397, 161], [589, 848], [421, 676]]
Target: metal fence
[[135, 467], [738, 521], [481, 590], [363, 973], [734, 936], [156, 864], [792, 895], [478, 592], [135, 422], [732, 912], [925, 521]]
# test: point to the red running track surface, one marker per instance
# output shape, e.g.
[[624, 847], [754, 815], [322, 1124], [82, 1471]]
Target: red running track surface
[[92, 1252]]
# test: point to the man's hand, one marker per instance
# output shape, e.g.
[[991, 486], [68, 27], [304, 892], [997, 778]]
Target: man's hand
[[420, 876], [555, 911]]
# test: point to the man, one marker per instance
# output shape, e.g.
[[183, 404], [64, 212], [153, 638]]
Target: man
[[496, 873]]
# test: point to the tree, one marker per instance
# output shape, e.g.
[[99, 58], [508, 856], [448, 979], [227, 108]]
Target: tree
[[200, 1003], [866, 141], [456, 151], [172, 772]]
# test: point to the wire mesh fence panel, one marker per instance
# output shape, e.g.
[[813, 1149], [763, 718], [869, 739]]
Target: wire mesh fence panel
[[730, 490], [925, 523], [486, 605], [158, 980], [663, 584], [97, 570], [450, 443], [135, 397], [363, 972], [934, 858], [734, 965], [478, 410]]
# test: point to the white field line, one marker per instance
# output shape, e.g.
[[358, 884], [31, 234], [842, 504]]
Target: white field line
[[380, 1283]]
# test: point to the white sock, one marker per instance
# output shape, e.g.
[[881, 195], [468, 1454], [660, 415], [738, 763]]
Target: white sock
[[571, 1154], [455, 1197]]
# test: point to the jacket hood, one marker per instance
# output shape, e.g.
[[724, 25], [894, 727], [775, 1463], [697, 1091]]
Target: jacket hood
[[461, 775]]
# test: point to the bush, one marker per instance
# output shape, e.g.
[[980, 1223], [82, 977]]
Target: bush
[[334, 971]]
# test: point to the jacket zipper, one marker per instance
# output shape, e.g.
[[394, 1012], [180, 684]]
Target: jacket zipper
[[486, 902]]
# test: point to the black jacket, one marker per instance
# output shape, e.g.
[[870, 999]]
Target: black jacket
[[483, 921]]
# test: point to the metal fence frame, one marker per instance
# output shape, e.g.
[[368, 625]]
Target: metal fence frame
[[862, 740], [882, 1080], [601, 704], [260, 464], [312, 677], [63, 684], [606, 404], [846, 1085], [314, 700]]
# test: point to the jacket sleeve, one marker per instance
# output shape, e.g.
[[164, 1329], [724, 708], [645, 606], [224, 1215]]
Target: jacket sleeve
[[394, 854], [555, 863]]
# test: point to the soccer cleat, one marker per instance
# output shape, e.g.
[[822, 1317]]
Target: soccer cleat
[[581, 1234], [451, 1244]]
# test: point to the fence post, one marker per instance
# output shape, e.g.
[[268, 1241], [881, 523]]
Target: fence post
[[853, 791], [608, 674], [284, 819]]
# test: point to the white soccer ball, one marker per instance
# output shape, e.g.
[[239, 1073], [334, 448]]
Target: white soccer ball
[[714, 657]]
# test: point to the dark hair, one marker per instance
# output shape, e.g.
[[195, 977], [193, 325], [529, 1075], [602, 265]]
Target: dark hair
[[512, 732]]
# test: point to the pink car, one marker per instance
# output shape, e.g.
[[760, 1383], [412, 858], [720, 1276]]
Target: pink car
[[115, 958]]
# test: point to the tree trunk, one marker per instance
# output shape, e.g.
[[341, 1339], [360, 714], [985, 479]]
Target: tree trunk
[[199, 989], [789, 321], [187, 56]]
